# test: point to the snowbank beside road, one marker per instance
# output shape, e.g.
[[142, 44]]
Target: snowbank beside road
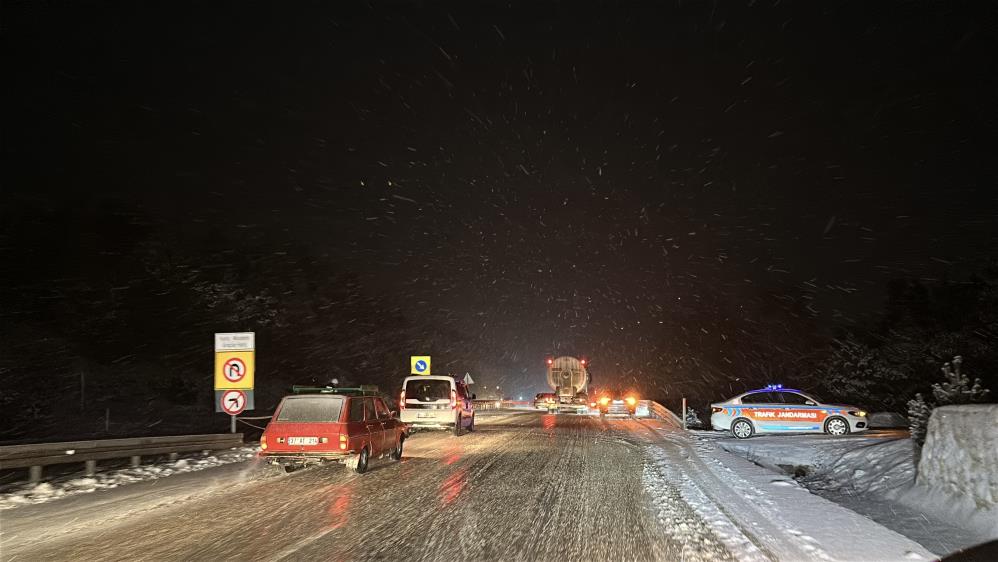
[[960, 455], [873, 474], [74, 484]]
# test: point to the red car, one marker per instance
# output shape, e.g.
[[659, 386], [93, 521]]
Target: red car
[[347, 425]]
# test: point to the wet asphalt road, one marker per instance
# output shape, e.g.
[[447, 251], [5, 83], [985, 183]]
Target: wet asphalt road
[[527, 486]]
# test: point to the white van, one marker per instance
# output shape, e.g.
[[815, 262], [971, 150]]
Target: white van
[[437, 402]]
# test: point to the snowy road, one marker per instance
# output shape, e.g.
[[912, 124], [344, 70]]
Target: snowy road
[[523, 486]]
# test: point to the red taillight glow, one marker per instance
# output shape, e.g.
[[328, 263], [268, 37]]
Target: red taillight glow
[[402, 401], [453, 399], [550, 361], [343, 442], [583, 361]]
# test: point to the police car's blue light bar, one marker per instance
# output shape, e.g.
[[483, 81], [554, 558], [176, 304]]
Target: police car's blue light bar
[[769, 387]]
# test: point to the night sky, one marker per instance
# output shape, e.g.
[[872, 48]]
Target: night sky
[[693, 195]]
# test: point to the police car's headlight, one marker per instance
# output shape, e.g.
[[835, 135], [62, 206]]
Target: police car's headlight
[[858, 413]]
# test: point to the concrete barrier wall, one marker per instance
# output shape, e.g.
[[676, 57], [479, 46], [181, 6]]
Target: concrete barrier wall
[[960, 456]]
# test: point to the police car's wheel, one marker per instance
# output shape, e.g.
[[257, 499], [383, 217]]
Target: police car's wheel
[[362, 459], [742, 428], [837, 426]]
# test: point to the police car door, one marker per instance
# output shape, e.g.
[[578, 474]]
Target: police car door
[[763, 409], [799, 412]]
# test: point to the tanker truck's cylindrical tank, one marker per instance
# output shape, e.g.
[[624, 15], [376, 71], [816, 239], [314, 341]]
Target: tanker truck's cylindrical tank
[[567, 374]]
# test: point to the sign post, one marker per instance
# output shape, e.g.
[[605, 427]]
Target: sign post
[[235, 369]]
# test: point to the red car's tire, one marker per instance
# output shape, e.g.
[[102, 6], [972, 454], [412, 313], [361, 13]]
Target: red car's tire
[[362, 459]]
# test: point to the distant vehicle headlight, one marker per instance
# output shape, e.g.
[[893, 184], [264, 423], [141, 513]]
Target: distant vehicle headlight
[[604, 401], [631, 401]]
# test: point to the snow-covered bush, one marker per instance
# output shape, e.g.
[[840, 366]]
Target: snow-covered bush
[[956, 389], [692, 419], [918, 418]]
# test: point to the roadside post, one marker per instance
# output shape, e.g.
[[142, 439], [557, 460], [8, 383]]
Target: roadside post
[[235, 371], [684, 414]]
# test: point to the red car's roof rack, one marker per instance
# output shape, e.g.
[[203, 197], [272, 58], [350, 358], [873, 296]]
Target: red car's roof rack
[[362, 390]]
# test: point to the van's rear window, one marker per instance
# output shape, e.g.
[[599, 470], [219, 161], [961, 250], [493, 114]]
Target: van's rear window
[[427, 390], [311, 409]]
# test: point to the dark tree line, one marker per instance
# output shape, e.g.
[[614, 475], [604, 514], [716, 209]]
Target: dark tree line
[[924, 326]]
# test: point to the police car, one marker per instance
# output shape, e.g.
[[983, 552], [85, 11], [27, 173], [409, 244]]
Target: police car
[[775, 409]]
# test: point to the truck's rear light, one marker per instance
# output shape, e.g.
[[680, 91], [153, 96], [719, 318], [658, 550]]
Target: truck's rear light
[[716, 410], [402, 401], [453, 399], [343, 442], [263, 442]]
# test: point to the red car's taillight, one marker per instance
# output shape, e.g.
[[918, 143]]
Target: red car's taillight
[[263, 442], [453, 399], [402, 401]]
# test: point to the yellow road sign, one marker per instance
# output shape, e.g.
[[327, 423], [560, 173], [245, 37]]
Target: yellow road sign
[[419, 364], [234, 369]]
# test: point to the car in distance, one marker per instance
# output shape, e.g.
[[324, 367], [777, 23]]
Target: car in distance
[[775, 409], [617, 404], [437, 402], [322, 424], [546, 401]]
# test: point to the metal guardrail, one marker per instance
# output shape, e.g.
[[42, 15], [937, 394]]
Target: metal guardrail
[[37, 455], [499, 404], [661, 412]]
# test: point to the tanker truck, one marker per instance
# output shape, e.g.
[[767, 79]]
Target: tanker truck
[[569, 379]]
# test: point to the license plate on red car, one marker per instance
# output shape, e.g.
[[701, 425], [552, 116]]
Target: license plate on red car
[[303, 440]]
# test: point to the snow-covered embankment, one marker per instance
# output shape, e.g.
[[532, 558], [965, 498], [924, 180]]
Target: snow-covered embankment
[[959, 463]]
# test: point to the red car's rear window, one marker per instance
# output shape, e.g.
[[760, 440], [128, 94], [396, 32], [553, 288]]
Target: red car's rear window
[[306, 409]]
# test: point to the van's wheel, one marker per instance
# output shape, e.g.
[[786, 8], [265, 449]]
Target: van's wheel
[[457, 426], [471, 426], [289, 468], [836, 426], [396, 454], [742, 428], [362, 459]]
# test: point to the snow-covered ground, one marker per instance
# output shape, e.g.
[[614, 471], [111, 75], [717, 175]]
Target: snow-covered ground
[[871, 473], [759, 514], [71, 484]]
